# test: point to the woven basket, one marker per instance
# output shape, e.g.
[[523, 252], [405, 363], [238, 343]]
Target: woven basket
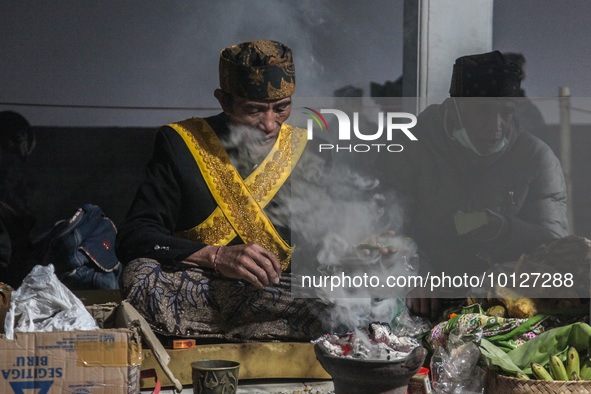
[[495, 383]]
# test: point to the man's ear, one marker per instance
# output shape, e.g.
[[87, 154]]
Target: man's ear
[[224, 99]]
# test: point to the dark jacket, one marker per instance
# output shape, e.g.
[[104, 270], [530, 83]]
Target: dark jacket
[[436, 176]]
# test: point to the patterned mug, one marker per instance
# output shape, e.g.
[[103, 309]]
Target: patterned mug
[[215, 376]]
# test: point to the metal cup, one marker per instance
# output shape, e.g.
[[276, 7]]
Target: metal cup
[[215, 376]]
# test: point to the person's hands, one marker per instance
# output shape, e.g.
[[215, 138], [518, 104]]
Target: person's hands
[[489, 230], [379, 243], [250, 262], [419, 304]]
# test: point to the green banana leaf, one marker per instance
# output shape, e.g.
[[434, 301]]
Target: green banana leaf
[[498, 358], [538, 350]]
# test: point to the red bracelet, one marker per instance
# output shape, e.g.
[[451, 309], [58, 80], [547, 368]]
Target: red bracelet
[[215, 259]]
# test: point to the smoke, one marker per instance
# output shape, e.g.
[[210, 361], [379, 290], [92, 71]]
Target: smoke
[[324, 36], [250, 143], [332, 209], [335, 214], [340, 218], [210, 26]]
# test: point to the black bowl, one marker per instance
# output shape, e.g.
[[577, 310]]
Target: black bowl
[[351, 375]]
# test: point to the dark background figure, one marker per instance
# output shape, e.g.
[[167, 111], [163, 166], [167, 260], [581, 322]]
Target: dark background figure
[[17, 141], [20, 248]]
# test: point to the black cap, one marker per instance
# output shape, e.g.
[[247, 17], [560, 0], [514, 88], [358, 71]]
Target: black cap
[[258, 70], [485, 75]]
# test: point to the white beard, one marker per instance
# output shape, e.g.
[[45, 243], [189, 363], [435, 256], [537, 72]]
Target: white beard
[[247, 147]]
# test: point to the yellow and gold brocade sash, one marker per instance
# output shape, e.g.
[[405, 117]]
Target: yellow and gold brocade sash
[[240, 202]]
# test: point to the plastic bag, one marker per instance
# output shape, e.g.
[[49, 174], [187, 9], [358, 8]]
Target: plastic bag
[[407, 325], [42, 303], [454, 367]]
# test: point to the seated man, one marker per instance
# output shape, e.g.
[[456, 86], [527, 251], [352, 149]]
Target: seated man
[[477, 189], [206, 242]]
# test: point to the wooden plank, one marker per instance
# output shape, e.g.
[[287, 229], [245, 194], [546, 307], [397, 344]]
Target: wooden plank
[[267, 360]]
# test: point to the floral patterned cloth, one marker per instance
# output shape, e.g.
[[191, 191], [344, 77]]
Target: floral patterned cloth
[[506, 333], [200, 303]]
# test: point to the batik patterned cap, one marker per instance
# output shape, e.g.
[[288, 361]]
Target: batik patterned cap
[[485, 75], [257, 70]]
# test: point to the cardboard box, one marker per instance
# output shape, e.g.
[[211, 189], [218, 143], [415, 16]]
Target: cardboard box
[[123, 314], [98, 361]]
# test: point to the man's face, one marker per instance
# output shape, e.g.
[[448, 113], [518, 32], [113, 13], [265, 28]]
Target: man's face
[[487, 121], [266, 116]]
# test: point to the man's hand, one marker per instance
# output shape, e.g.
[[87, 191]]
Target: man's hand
[[250, 262], [379, 243], [418, 304], [488, 231]]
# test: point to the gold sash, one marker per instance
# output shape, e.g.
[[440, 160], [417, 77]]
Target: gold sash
[[240, 202]]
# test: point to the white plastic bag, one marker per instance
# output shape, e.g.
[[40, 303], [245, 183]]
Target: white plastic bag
[[43, 304], [454, 367]]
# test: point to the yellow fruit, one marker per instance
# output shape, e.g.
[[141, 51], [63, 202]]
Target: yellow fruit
[[585, 373], [497, 311], [522, 376], [573, 363], [540, 372], [557, 368]]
